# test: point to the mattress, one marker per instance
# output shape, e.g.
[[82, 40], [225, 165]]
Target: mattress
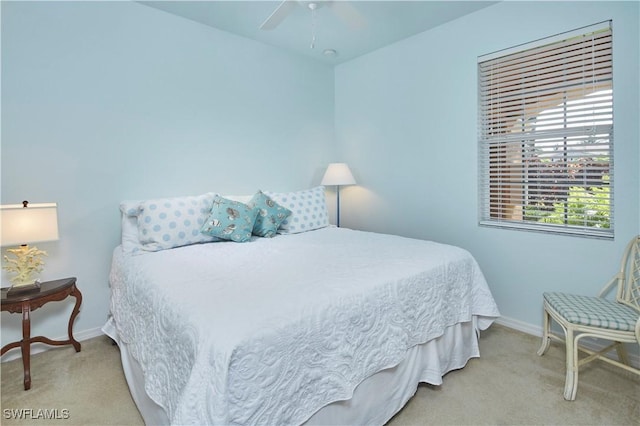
[[273, 330]]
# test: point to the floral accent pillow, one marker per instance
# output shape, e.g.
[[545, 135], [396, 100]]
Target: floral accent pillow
[[270, 215], [308, 210], [230, 220]]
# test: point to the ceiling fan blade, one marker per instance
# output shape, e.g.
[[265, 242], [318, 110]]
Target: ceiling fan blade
[[348, 13], [278, 15]]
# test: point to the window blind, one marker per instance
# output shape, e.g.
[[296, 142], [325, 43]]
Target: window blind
[[545, 126]]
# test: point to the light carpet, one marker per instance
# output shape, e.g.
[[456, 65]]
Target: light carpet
[[508, 385]]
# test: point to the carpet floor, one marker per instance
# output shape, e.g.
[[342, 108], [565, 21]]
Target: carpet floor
[[508, 385]]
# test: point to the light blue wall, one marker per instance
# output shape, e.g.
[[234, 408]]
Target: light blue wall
[[406, 124], [107, 101]]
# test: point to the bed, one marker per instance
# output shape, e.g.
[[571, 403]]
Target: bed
[[315, 324]]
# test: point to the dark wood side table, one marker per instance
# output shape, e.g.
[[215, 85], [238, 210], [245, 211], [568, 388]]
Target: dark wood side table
[[50, 291]]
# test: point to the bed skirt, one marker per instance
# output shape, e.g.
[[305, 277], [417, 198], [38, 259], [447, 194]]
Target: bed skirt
[[374, 401]]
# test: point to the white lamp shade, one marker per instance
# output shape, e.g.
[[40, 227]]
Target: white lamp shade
[[338, 174], [24, 225]]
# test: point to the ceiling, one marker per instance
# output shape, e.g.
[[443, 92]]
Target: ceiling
[[385, 22]]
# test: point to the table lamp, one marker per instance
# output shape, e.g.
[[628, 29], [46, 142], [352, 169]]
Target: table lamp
[[338, 174], [23, 224]]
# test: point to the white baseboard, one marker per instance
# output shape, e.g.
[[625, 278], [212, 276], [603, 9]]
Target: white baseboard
[[37, 348], [534, 330], [525, 327]]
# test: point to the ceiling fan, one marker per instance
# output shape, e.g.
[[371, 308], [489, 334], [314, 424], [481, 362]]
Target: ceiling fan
[[343, 9]]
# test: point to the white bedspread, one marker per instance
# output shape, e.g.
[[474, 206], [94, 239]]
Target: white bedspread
[[269, 331]]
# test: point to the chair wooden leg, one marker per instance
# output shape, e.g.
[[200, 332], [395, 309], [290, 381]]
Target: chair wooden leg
[[545, 333], [571, 380]]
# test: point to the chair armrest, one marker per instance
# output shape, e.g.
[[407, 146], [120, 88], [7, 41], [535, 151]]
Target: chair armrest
[[616, 278]]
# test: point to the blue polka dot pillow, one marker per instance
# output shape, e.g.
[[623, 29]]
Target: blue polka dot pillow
[[308, 210], [230, 220], [166, 223]]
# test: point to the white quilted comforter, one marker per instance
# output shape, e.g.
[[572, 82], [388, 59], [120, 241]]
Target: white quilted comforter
[[269, 331]]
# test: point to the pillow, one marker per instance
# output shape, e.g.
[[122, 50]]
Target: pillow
[[270, 215], [129, 232], [229, 220], [308, 210], [166, 223], [244, 199]]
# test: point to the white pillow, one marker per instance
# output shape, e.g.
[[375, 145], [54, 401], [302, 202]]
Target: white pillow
[[244, 199], [129, 211], [308, 209], [166, 223]]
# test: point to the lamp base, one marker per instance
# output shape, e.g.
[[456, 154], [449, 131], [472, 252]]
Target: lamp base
[[25, 263], [24, 289]]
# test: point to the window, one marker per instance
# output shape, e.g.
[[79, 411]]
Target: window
[[545, 120]]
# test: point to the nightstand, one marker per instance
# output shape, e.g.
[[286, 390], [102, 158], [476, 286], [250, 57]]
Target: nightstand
[[50, 291]]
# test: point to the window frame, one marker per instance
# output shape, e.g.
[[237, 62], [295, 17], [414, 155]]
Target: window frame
[[512, 165]]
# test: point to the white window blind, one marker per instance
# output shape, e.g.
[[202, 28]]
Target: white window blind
[[545, 120]]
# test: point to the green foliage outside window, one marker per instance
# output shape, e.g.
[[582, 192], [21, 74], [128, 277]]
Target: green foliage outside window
[[588, 206]]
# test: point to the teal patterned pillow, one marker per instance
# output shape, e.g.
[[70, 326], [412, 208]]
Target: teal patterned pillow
[[270, 215], [230, 220]]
